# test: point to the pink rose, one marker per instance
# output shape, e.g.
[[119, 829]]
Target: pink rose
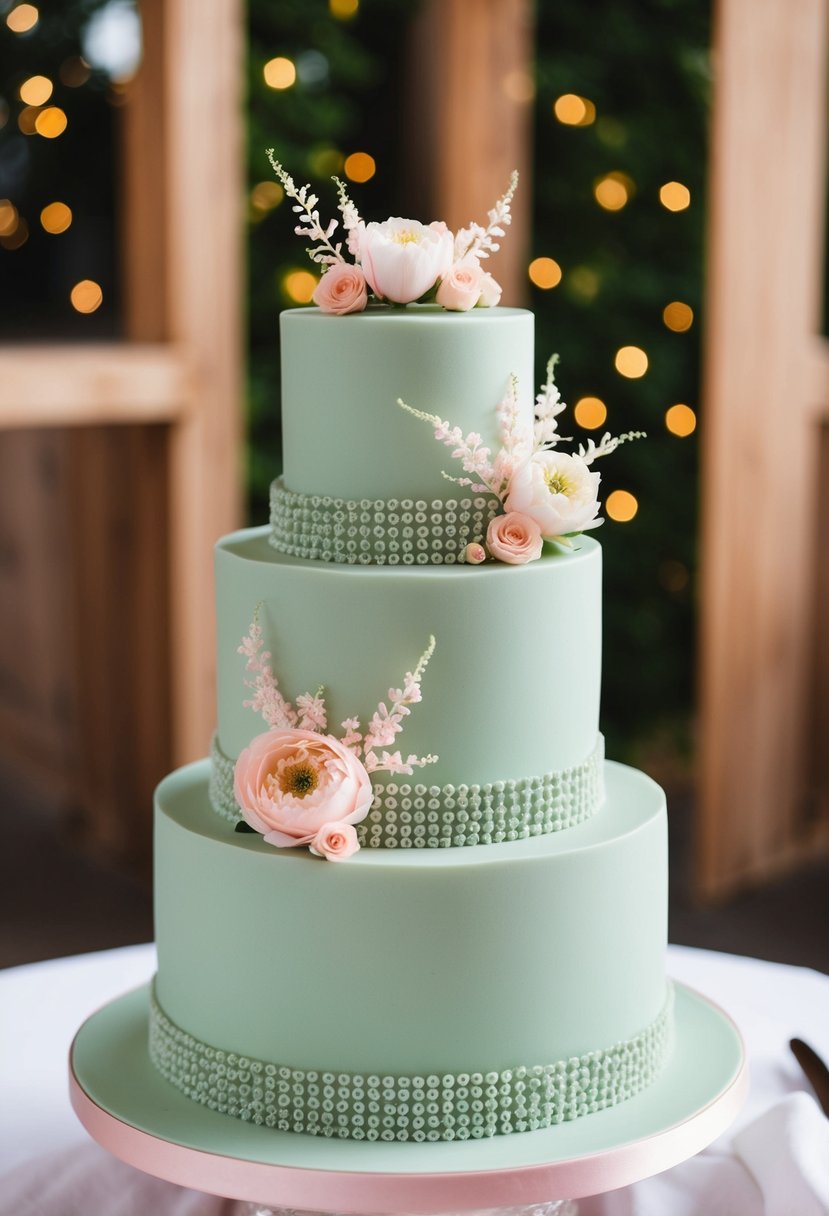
[[474, 554], [514, 538], [460, 287], [291, 783], [335, 842], [341, 289], [403, 259], [490, 292]]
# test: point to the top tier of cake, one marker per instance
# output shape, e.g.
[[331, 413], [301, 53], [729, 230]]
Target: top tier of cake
[[345, 436]]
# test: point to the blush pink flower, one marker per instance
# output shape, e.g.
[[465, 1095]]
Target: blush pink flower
[[490, 292], [341, 289], [558, 491], [403, 259], [474, 554], [460, 287], [290, 783], [514, 538], [335, 842]]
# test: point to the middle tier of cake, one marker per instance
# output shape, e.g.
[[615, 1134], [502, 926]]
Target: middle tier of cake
[[510, 697]]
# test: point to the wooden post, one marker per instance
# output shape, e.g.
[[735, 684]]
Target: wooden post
[[766, 383], [471, 102]]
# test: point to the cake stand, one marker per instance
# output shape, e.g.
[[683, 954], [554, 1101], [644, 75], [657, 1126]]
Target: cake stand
[[134, 1113]]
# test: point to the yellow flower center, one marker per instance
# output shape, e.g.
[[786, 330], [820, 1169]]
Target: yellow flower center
[[406, 237], [557, 483], [299, 779]]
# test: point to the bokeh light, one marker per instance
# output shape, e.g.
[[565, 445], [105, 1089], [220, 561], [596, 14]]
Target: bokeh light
[[359, 167], [22, 18], [74, 72], [574, 111], [544, 273], [279, 73], [299, 285], [343, 10], [613, 191], [17, 236], [27, 118], [8, 217], [265, 196], [584, 282], [681, 420], [36, 91], [325, 161], [674, 576], [678, 316], [56, 218], [621, 506], [51, 122], [674, 196], [631, 361], [86, 296], [590, 413]]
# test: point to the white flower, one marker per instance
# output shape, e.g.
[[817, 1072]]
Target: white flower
[[558, 491], [403, 259]]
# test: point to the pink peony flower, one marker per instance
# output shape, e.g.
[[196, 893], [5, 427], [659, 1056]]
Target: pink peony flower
[[341, 289], [290, 783], [474, 554], [558, 491], [403, 259], [514, 538], [460, 287], [335, 842], [490, 292]]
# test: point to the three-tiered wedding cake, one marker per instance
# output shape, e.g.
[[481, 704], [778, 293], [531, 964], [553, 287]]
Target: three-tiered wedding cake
[[488, 957]]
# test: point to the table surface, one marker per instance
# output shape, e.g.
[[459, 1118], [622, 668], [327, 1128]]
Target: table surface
[[42, 1005]]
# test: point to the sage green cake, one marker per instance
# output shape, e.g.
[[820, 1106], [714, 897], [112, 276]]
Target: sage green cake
[[492, 960]]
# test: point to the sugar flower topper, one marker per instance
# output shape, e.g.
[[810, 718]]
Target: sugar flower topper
[[544, 494], [297, 784], [398, 261]]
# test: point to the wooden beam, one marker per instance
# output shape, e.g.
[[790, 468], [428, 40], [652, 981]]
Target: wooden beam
[[203, 76], [94, 385], [759, 491]]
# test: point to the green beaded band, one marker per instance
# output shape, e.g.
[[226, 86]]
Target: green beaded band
[[377, 532], [453, 1106], [420, 816]]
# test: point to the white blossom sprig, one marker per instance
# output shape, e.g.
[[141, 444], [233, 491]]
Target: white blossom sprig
[[352, 223], [469, 449], [548, 405], [387, 722], [267, 700], [321, 251], [592, 451], [477, 241]]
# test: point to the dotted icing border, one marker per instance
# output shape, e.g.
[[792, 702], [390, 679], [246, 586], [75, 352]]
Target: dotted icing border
[[450, 816], [453, 1106], [377, 532]]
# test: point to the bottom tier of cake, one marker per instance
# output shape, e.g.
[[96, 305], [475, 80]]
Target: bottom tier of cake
[[412, 994]]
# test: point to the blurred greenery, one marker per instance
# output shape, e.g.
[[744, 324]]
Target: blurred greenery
[[644, 65]]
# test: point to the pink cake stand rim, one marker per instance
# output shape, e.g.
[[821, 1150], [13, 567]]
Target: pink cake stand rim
[[375, 1192]]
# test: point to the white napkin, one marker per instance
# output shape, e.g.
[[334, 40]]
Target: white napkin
[[778, 1165]]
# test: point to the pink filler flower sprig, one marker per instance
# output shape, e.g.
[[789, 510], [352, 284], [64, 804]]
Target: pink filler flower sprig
[[296, 784], [398, 261], [544, 494]]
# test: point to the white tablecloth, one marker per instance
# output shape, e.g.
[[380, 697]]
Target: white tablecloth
[[42, 1005]]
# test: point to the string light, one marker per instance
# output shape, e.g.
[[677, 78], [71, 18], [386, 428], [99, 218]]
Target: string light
[[22, 18], [343, 10], [631, 361], [613, 191], [279, 73], [18, 236], [677, 316], [265, 196], [36, 91], [359, 167], [590, 413], [86, 296], [299, 285], [56, 218], [574, 111], [681, 420], [27, 118], [8, 217], [674, 196], [621, 506], [325, 162], [544, 273], [51, 122]]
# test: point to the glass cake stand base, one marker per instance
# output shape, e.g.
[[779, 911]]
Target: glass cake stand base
[[127, 1106]]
